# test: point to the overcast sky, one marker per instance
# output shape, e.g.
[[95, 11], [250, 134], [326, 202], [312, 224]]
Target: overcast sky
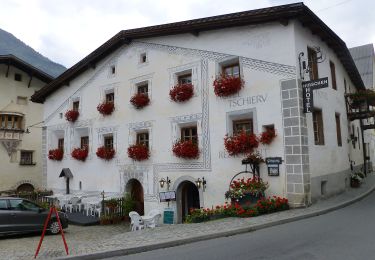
[[67, 30]]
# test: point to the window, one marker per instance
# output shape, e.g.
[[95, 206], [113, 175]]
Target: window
[[26, 158], [85, 142], [3, 205], [24, 205], [318, 127], [143, 58], [333, 74], [231, 70], [243, 125], [2, 121], [353, 137], [21, 100], [142, 138], [108, 141], [346, 91], [359, 142], [184, 79], [142, 88], [10, 122], [189, 134], [76, 105], [110, 97], [17, 77], [313, 63], [338, 129], [60, 144], [113, 69]]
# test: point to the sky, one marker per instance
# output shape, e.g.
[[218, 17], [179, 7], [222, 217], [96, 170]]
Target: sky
[[66, 31]]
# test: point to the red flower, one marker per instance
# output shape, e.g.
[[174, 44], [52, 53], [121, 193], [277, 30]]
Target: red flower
[[71, 115], [140, 100], [241, 143], [186, 149], [181, 92], [227, 85], [105, 153], [80, 154], [56, 154], [106, 108], [138, 152], [267, 136]]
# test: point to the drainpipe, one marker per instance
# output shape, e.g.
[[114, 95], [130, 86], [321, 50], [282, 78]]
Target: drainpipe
[[363, 147]]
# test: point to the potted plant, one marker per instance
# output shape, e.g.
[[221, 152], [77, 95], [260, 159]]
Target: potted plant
[[71, 115], [138, 152], [80, 154], [226, 85], [140, 100], [181, 92], [106, 108], [240, 143], [105, 153], [186, 149], [267, 136], [355, 180], [56, 154], [128, 205], [246, 192]]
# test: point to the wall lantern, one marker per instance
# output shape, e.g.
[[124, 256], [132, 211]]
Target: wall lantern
[[165, 181], [201, 183]]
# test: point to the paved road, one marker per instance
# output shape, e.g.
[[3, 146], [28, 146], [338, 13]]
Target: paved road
[[348, 233]]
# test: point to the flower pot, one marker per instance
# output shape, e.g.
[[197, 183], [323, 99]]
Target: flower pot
[[354, 183], [248, 200]]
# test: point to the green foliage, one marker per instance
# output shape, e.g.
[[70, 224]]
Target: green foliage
[[128, 204]]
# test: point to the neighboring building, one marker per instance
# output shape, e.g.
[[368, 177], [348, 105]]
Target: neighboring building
[[272, 49], [20, 137]]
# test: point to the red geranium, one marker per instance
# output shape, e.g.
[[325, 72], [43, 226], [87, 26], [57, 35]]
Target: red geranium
[[140, 100], [105, 153], [186, 149], [106, 108], [56, 154], [80, 154], [138, 152], [181, 92], [267, 136], [71, 115], [227, 85], [241, 143]]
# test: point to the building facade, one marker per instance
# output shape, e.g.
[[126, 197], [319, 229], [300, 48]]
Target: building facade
[[273, 50], [20, 137]]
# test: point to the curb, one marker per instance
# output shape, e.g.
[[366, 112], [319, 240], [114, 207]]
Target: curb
[[135, 250]]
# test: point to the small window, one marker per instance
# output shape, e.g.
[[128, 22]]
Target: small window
[[346, 91], [9, 122], [21, 100], [76, 105], [60, 144], [108, 141], [3, 205], [232, 70], [359, 142], [110, 97], [2, 121], [313, 63], [143, 58], [318, 127], [80, 185], [189, 134], [17, 77], [142, 88], [113, 70], [26, 158], [85, 142], [243, 125], [353, 137], [142, 138], [338, 129], [184, 79], [333, 75]]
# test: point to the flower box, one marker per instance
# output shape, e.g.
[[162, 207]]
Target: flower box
[[241, 143], [71, 115], [80, 154], [248, 199], [181, 92], [267, 136], [227, 85], [186, 149], [105, 153], [56, 154], [106, 108], [140, 100], [241, 188], [138, 152]]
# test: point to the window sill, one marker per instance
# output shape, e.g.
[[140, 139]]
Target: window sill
[[27, 164]]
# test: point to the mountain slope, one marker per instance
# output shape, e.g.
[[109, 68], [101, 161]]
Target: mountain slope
[[9, 44]]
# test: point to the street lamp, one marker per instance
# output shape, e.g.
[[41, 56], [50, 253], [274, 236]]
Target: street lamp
[[201, 183], [165, 181]]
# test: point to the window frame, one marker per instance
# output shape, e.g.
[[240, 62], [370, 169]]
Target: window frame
[[184, 77], [85, 142], [141, 87], [143, 138], [313, 63], [231, 66], [318, 127], [75, 105], [60, 144], [110, 97], [333, 74], [191, 136], [237, 123], [338, 129], [30, 161], [108, 141]]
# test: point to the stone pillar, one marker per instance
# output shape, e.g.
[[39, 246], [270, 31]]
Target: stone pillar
[[295, 144], [44, 157]]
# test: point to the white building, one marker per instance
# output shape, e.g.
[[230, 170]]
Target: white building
[[273, 49], [20, 151]]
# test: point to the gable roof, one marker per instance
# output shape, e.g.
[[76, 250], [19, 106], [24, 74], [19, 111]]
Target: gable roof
[[277, 13], [364, 59], [12, 60]]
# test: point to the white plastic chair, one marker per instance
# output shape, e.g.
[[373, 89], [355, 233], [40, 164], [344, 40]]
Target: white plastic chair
[[136, 222], [152, 218], [74, 203]]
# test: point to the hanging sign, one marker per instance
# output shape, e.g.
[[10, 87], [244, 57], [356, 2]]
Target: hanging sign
[[167, 196], [307, 92], [273, 165]]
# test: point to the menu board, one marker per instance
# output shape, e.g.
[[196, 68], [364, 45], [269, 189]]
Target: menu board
[[167, 196]]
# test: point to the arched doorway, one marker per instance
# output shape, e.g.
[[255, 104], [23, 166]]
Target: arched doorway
[[187, 198], [135, 189], [26, 187]]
